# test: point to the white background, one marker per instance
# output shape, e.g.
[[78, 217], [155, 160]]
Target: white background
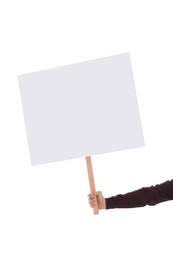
[[44, 212]]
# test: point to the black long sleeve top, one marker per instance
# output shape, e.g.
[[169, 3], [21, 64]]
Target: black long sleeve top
[[142, 197]]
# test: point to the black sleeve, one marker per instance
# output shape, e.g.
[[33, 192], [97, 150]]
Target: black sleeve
[[142, 197]]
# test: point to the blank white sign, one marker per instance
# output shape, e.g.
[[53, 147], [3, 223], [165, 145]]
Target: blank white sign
[[81, 110]]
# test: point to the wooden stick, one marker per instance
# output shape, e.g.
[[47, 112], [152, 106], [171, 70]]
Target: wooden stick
[[91, 181]]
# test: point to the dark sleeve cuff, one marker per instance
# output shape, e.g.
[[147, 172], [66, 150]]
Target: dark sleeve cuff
[[109, 204]]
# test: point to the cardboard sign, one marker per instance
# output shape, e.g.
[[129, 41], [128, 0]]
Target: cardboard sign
[[81, 110]]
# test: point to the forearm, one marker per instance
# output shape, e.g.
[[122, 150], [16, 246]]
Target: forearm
[[142, 197]]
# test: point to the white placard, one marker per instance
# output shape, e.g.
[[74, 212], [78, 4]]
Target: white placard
[[81, 110]]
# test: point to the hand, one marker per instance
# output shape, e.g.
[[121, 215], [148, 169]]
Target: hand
[[97, 197]]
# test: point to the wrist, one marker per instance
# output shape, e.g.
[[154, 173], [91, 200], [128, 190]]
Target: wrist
[[103, 204]]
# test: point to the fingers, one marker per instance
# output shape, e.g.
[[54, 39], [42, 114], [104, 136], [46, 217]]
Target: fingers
[[92, 200]]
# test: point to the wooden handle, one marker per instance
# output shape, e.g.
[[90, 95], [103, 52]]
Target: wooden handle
[[91, 181]]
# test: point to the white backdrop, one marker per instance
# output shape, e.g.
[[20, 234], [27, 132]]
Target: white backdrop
[[44, 212]]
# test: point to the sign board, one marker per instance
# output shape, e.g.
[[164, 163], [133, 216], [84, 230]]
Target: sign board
[[80, 110]]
